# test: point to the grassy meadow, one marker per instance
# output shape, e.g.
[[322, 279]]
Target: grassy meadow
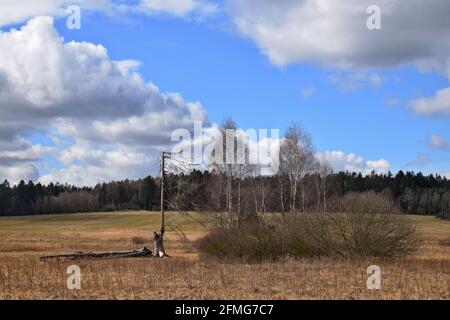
[[186, 275]]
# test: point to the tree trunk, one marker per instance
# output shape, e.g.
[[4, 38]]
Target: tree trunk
[[255, 198], [263, 196], [144, 252], [229, 193], [239, 202], [158, 245], [294, 188], [281, 197], [158, 238]]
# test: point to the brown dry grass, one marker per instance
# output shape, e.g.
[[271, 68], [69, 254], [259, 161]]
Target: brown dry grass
[[187, 276]]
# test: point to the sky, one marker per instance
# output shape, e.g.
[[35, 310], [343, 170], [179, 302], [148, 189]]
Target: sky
[[98, 103]]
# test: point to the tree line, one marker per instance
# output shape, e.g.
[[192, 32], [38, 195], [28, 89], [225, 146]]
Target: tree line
[[410, 192]]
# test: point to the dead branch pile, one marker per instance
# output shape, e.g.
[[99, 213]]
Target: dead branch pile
[[143, 252]]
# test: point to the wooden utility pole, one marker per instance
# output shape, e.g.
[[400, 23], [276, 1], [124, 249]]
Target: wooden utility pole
[[158, 239], [162, 192]]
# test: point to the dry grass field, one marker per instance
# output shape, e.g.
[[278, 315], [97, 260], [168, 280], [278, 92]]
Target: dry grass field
[[185, 275]]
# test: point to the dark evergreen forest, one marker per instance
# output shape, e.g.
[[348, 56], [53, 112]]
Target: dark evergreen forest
[[409, 192]]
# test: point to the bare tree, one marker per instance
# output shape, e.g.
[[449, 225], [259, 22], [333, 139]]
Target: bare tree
[[282, 198], [263, 195], [230, 159], [297, 161], [325, 170], [260, 207]]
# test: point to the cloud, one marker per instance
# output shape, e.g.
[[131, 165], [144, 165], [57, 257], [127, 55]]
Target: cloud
[[23, 152], [353, 80], [421, 161], [86, 165], [179, 8], [20, 171], [17, 159], [151, 130], [334, 34], [308, 91], [439, 104], [437, 142], [16, 12], [102, 120], [44, 78], [75, 93], [19, 11], [341, 161]]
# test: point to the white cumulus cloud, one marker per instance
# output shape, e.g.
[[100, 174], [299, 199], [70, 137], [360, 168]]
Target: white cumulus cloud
[[334, 34], [437, 104], [73, 91], [13, 11], [341, 161], [178, 8]]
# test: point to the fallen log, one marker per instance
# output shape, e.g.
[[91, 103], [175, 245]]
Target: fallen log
[[144, 252]]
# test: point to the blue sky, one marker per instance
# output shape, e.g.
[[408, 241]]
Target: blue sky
[[365, 110], [230, 77]]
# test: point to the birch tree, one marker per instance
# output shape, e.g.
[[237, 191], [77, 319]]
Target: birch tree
[[230, 159], [325, 170], [296, 162]]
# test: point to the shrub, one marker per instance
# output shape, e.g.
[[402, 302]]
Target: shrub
[[357, 234], [367, 202], [251, 241], [306, 235]]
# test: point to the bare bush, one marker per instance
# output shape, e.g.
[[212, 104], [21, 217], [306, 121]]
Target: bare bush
[[356, 234], [321, 234], [249, 242], [369, 202]]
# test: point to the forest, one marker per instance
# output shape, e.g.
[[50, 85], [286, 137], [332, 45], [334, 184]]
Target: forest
[[407, 192]]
